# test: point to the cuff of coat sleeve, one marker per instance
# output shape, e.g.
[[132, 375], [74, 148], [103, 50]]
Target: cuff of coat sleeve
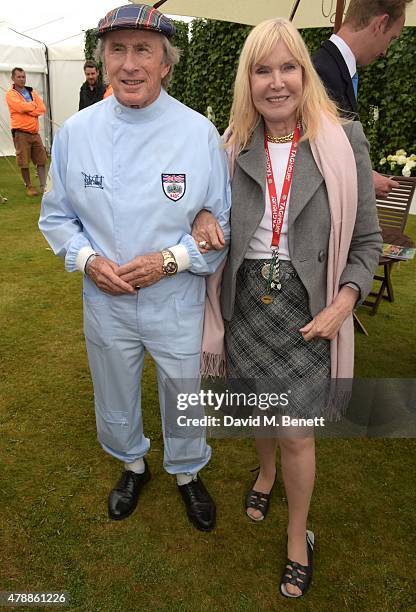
[[353, 286], [356, 288], [83, 255], [181, 255]]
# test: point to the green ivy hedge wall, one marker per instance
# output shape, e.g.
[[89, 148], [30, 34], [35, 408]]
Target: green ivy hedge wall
[[213, 56], [209, 55]]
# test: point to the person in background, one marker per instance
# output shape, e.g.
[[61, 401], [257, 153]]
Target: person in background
[[127, 179], [305, 243], [365, 35], [25, 108], [93, 89]]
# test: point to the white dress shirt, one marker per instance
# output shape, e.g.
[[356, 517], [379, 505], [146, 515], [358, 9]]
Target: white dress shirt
[[346, 53]]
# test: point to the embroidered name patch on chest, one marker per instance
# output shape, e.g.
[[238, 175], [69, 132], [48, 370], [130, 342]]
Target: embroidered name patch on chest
[[93, 180], [174, 186]]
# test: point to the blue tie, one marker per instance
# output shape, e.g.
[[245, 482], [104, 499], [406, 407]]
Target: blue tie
[[354, 80]]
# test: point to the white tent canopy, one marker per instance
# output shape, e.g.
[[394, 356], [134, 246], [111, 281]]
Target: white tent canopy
[[65, 71], [60, 26], [19, 51], [66, 60]]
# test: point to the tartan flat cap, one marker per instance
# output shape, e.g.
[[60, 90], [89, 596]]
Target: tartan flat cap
[[136, 17]]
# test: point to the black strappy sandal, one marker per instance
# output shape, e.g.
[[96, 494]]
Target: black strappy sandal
[[297, 574], [258, 501]]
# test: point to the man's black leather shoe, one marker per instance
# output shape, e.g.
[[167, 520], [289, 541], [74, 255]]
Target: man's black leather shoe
[[200, 506], [123, 498]]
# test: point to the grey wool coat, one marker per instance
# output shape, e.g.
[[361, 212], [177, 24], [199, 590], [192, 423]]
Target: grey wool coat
[[309, 220]]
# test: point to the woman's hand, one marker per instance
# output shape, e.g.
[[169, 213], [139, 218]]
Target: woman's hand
[[206, 230], [327, 323]]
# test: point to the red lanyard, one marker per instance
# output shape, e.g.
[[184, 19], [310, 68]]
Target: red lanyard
[[278, 211]]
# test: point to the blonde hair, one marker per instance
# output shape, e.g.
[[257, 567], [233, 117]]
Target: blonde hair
[[261, 41]]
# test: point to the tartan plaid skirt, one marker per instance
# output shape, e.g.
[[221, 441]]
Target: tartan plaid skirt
[[264, 347]]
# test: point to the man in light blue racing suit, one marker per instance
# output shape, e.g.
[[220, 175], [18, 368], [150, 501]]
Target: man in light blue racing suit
[[128, 177]]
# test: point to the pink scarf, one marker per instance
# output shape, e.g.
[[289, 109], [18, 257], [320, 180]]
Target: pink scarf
[[335, 159]]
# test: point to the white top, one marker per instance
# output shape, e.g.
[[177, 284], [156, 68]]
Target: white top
[[260, 244], [346, 53]]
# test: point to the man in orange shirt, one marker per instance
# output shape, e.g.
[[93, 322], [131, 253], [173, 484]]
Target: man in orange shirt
[[25, 106], [108, 91]]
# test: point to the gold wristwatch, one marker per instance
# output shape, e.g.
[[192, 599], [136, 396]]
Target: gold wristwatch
[[170, 266]]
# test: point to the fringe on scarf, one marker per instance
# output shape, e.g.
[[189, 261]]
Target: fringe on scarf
[[213, 366]]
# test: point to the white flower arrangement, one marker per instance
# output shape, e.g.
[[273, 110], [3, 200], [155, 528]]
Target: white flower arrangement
[[398, 160]]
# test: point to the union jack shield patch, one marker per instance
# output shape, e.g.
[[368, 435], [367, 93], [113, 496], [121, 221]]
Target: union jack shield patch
[[174, 186]]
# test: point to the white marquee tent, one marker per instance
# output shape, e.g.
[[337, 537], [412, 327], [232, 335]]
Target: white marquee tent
[[64, 68], [19, 51], [66, 60]]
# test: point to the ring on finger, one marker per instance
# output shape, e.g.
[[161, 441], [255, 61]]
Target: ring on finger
[[203, 244]]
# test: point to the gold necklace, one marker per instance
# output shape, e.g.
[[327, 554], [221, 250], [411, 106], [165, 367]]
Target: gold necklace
[[281, 139]]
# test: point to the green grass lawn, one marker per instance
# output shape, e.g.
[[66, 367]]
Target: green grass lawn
[[54, 477]]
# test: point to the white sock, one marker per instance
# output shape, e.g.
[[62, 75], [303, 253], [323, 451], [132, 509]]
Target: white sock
[[186, 478], [137, 466]]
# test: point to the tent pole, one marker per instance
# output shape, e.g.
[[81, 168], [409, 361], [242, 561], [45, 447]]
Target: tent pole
[[48, 89], [294, 9], [338, 15]]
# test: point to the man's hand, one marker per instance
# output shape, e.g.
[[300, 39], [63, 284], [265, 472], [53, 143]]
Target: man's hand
[[142, 271], [382, 184], [327, 323], [206, 228], [103, 272]]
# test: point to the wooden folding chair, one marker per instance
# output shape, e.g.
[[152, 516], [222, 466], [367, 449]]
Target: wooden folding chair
[[392, 214]]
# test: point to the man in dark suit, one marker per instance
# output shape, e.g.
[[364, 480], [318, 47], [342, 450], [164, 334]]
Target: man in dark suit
[[365, 35]]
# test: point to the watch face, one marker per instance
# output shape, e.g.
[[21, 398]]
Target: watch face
[[171, 267]]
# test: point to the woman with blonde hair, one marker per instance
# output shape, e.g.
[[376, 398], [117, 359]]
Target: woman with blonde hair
[[305, 243]]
